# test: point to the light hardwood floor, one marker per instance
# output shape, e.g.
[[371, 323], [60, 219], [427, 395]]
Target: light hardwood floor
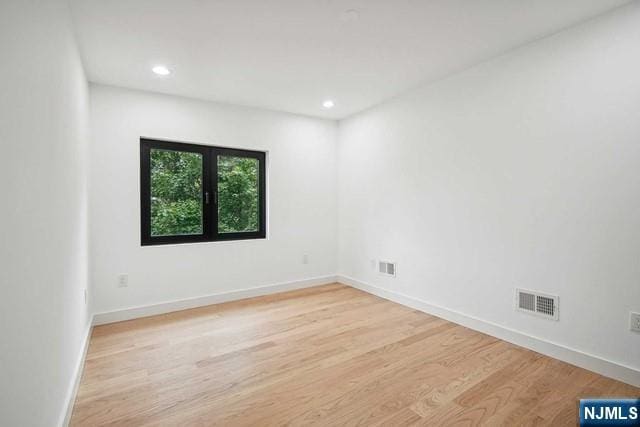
[[329, 355]]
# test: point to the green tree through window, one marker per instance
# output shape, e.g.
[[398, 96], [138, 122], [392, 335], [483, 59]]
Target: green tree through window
[[176, 193], [237, 194]]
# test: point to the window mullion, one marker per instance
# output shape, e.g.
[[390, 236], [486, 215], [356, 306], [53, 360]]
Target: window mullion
[[213, 182]]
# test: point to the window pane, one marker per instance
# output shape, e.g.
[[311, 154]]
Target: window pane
[[176, 193], [237, 194]]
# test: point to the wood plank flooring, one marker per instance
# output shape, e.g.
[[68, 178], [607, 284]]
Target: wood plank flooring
[[329, 355]]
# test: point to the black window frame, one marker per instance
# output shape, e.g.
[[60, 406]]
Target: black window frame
[[209, 192]]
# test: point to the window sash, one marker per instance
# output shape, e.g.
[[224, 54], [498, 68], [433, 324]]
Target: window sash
[[209, 191]]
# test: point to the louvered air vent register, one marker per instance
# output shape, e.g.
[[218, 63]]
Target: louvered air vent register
[[387, 268], [542, 305]]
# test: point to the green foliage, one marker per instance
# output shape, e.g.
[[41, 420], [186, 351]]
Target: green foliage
[[176, 193], [237, 194]]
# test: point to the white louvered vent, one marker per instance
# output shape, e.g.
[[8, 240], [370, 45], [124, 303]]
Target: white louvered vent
[[387, 268], [537, 303]]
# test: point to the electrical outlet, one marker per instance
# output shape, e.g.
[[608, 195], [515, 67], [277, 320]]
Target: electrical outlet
[[634, 321], [305, 259], [123, 280]]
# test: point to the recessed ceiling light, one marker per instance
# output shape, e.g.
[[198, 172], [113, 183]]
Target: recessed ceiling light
[[328, 104], [161, 70]]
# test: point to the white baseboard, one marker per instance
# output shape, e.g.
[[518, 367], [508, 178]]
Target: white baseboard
[[169, 306], [575, 357], [77, 376]]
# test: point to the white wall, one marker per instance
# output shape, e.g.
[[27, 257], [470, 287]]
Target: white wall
[[302, 199], [43, 219], [520, 172]]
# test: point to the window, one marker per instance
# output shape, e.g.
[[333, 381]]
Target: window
[[198, 193]]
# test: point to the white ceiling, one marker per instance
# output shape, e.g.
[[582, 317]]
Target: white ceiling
[[290, 55]]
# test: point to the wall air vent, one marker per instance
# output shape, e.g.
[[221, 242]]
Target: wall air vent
[[387, 268], [542, 305]]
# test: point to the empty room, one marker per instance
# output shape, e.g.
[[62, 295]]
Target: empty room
[[320, 212]]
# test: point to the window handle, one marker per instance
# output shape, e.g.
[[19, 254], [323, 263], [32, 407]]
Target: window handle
[[206, 197]]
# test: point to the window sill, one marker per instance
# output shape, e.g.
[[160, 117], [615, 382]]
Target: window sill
[[203, 242]]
